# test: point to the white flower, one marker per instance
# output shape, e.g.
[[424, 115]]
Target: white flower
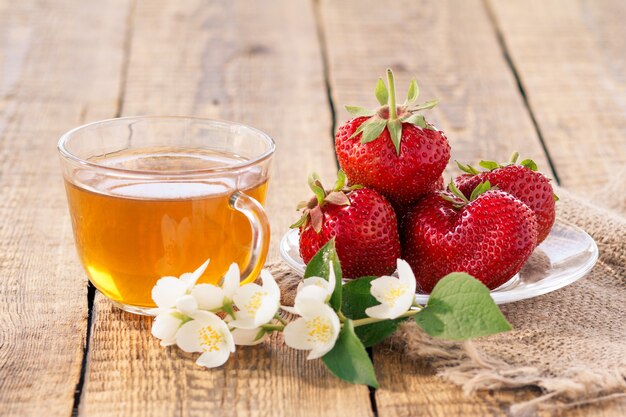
[[314, 289], [257, 304], [212, 297], [165, 326], [246, 337], [396, 295], [328, 286], [317, 330], [168, 290], [207, 334]]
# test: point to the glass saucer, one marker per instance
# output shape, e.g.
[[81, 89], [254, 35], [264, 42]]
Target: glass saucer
[[567, 254]]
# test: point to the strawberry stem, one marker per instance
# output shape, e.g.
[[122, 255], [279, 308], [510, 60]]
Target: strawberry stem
[[393, 112]]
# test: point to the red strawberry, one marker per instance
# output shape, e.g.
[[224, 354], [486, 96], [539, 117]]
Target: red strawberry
[[393, 149], [522, 181], [402, 209], [362, 222], [490, 236]]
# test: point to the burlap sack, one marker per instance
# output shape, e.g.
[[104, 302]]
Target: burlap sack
[[570, 343]]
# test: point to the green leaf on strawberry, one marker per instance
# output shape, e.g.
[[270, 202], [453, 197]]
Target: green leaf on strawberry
[[460, 308], [413, 93], [382, 95], [390, 115]]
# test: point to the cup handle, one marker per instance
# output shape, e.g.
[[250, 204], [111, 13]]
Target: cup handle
[[260, 224]]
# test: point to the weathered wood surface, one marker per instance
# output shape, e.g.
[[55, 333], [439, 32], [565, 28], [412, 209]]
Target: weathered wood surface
[[571, 61], [455, 54], [50, 55], [63, 63], [225, 60]]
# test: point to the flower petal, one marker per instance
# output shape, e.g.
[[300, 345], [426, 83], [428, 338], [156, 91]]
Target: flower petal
[[213, 359], [165, 325], [405, 274], [295, 335], [168, 342], [289, 309], [248, 299], [245, 337], [187, 305], [311, 294], [208, 296], [167, 290], [191, 280], [380, 287], [381, 311], [188, 338], [231, 280]]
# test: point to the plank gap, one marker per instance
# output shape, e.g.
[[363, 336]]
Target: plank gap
[[321, 37], [127, 46], [91, 295], [509, 62]]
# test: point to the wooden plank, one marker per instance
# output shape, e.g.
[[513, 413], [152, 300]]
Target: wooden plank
[[571, 60], [259, 64], [59, 66], [453, 50]]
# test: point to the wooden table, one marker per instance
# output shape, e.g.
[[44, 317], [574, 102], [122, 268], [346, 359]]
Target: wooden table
[[545, 77]]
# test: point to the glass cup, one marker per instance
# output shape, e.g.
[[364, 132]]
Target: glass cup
[[157, 196]]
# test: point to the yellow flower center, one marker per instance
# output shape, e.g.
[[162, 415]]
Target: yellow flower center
[[392, 295], [210, 339], [319, 329], [255, 302]]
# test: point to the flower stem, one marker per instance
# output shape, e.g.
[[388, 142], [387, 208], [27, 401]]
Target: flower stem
[[371, 320], [393, 113], [280, 319], [273, 327], [341, 316]]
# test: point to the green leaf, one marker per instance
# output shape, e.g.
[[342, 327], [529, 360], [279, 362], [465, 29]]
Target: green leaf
[[341, 180], [372, 130], [460, 308], [395, 131], [556, 197], [425, 106], [382, 95], [480, 189], [356, 298], [338, 198], [357, 111], [413, 93], [490, 165], [417, 120], [349, 360], [530, 164], [454, 190], [318, 266], [466, 168], [300, 221]]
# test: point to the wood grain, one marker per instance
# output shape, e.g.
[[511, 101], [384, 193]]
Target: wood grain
[[571, 60], [59, 64], [452, 49], [261, 66]]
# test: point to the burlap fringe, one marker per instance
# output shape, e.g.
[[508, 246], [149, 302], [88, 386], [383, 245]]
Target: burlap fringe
[[464, 365]]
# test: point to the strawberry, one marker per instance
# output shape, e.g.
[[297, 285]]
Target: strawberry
[[392, 149], [362, 222], [489, 235], [520, 180]]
